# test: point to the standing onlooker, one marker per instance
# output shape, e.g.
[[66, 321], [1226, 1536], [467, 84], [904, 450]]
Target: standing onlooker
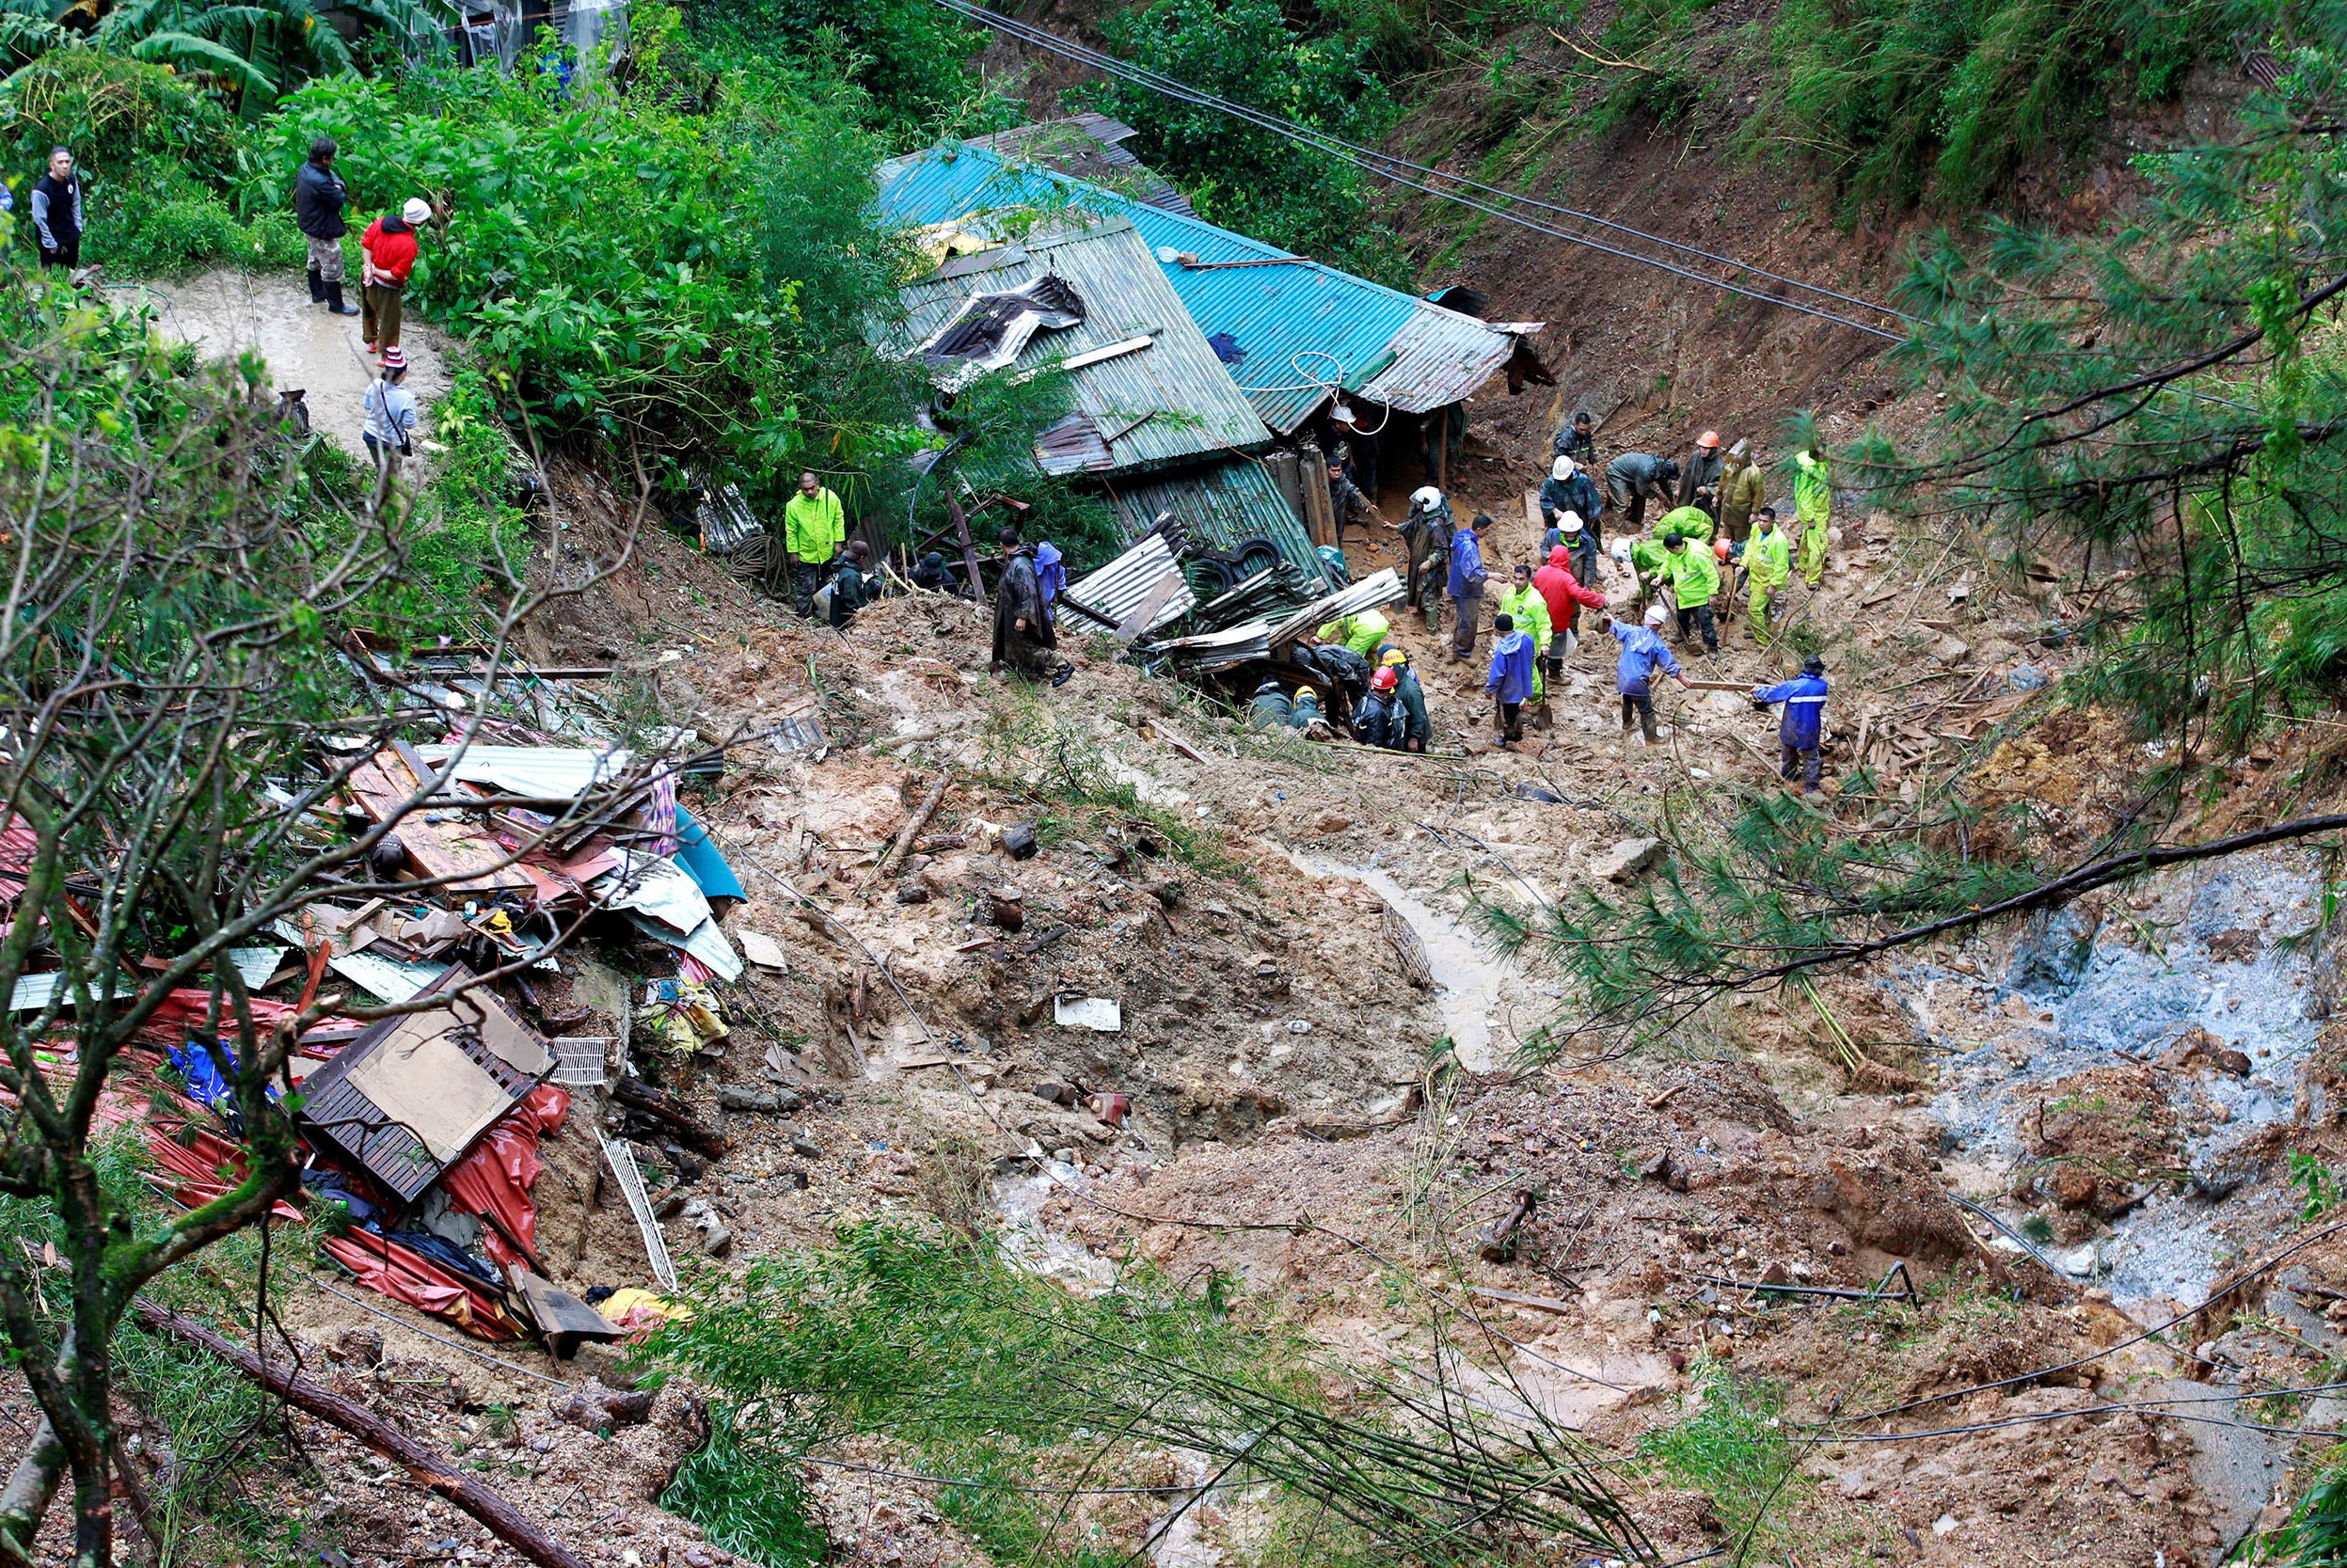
[[389, 409], [388, 246], [1467, 578], [319, 194], [1023, 638], [57, 211], [1644, 652], [1051, 575], [813, 527]]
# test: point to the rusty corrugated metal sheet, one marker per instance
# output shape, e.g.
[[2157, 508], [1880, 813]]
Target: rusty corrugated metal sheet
[[1300, 326], [1125, 296], [1072, 446]]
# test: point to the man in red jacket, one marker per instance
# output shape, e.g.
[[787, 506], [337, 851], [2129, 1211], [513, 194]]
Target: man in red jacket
[[389, 248], [1563, 594]]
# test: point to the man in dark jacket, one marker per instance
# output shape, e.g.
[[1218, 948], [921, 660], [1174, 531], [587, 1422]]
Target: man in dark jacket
[[1699, 482], [1023, 638], [1416, 730], [1345, 501], [1578, 440], [1380, 721], [57, 211], [852, 588], [318, 198], [930, 572], [1569, 489], [1634, 476]]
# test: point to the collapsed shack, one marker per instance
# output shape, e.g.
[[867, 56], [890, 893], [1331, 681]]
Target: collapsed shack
[[564, 925]]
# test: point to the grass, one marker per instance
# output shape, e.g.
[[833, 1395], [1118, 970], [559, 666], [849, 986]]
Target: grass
[[1730, 1443]]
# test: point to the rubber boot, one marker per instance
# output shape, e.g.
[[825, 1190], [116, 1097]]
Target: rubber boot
[[334, 301], [317, 288]]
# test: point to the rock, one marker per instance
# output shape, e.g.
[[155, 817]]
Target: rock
[[761, 950], [1629, 857], [797, 1177], [1057, 1092], [593, 1406], [913, 893], [738, 1097], [2025, 677], [1019, 841], [1951, 649], [806, 1148]]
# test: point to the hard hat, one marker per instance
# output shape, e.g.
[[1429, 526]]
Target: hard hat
[[1305, 693], [1619, 549], [1561, 470], [1709, 438], [1385, 680], [1394, 656], [1812, 665], [1570, 522], [1719, 547], [1342, 413], [1425, 498], [1654, 614]]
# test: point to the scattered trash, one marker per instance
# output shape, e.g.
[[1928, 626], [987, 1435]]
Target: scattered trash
[[1101, 1014], [1056, 1093], [1110, 1108], [2025, 677], [762, 950], [1533, 792]]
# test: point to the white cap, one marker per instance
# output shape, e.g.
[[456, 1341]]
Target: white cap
[[418, 210], [1342, 413], [1563, 468], [1425, 497], [1569, 521], [1654, 614]]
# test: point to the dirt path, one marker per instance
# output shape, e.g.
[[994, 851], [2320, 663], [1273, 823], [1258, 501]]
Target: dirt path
[[228, 312]]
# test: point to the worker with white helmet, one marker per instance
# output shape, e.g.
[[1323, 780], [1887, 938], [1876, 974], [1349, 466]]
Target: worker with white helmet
[[1426, 542], [1569, 489]]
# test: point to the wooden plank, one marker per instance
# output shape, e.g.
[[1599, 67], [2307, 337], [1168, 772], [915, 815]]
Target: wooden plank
[[1146, 612], [1409, 949], [461, 851], [1319, 518]]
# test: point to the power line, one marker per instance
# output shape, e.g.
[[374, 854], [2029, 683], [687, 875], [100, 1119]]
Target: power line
[[1384, 165]]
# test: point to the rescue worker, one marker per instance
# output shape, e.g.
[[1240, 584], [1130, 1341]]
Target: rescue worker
[[1699, 482], [1569, 489], [1562, 590], [1694, 574], [1644, 652], [1426, 541], [1527, 610], [851, 588], [1271, 708], [1633, 476], [1418, 730], [1345, 501], [1768, 561], [1649, 564], [1578, 440], [1353, 447], [930, 572], [1742, 487], [1511, 679], [1579, 546], [813, 527], [1687, 522], [1364, 632], [1023, 638], [1467, 578], [1051, 575], [1305, 715], [1813, 508], [1380, 721], [1798, 734]]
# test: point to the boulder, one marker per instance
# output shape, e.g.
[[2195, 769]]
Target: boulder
[[1629, 857]]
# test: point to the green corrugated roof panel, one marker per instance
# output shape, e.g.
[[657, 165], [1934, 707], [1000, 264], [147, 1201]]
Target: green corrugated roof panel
[[1171, 403], [1222, 507]]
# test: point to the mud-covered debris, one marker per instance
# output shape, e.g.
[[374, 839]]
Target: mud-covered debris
[[1019, 841], [1057, 1092], [594, 1407], [357, 1347], [762, 950], [1497, 1245]]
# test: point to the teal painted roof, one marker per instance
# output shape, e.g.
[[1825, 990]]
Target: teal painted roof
[[1300, 326], [1171, 403]]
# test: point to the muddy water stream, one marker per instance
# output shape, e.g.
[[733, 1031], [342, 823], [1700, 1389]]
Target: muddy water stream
[[1468, 982]]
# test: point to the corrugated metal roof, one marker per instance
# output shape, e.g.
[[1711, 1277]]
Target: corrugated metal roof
[[1300, 327], [1086, 146], [1117, 590], [1125, 296], [1220, 508]]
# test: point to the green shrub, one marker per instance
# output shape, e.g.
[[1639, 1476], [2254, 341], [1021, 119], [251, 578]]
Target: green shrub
[[913, 58]]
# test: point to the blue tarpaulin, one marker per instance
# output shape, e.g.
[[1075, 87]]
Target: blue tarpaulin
[[701, 861]]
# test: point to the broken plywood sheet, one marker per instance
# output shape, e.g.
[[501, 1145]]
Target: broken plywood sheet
[[457, 848]]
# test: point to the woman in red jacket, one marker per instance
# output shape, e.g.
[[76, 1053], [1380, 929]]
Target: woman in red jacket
[[389, 248]]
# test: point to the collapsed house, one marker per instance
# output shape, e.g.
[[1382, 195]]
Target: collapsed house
[[1296, 335]]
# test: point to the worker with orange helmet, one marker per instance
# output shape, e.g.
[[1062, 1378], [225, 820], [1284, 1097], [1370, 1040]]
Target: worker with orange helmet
[[1698, 476]]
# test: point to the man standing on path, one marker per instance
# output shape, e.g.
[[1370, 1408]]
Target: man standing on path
[[1566, 596], [1804, 700], [57, 211], [319, 196], [1467, 578], [1023, 637], [1644, 652], [388, 415], [813, 527], [1768, 560], [1511, 679], [1634, 476], [1693, 572], [1813, 508], [388, 251]]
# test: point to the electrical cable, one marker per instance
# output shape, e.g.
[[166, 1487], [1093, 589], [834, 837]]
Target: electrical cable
[[1370, 161]]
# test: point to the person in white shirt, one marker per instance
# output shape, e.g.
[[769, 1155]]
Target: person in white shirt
[[389, 430]]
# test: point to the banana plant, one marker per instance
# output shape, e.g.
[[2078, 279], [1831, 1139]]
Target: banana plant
[[256, 49]]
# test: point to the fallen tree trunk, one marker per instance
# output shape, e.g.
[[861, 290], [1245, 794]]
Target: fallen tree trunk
[[433, 1470], [912, 829]]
